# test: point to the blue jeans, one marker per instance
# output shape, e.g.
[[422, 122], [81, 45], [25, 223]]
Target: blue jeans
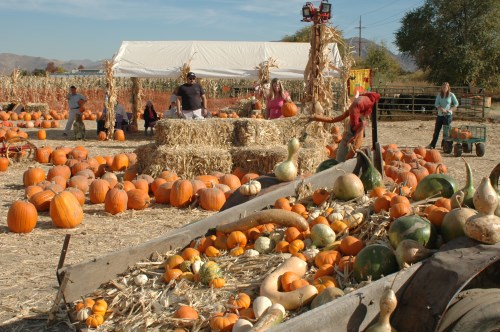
[[440, 121]]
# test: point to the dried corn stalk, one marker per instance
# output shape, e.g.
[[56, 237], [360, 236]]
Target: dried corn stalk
[[319, 87], [111, 102], [264, 69], [136, 98], [185, 69], [13, 79]]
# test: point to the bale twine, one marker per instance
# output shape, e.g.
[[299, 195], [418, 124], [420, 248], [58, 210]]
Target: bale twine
[[264, 159], [186, 161]]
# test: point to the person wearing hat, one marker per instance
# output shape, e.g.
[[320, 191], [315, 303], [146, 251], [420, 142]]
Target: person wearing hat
[[191, 96], [75, 101]]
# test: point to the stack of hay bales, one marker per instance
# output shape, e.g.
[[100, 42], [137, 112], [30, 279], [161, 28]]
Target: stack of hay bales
[[194, 147], [35, 107]]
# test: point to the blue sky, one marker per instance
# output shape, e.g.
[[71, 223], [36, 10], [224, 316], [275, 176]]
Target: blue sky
[[94, 29]]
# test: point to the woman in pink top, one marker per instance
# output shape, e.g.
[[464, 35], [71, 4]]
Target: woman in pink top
[[275, 99]]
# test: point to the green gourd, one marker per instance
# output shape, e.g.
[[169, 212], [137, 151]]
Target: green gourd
[[464, 196], [370, 176], [287, 170], [434, 185], [326, 164]]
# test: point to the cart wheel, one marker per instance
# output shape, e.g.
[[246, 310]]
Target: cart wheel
[[19, 149], [447, 146], [480, 149], [457, 150], [467, 147]]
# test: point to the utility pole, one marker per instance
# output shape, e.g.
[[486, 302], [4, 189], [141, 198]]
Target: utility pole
[[359, 38]]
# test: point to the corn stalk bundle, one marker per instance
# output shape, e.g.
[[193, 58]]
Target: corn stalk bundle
[[14, 78], [211, 87], [185, 69], [136, 98], [111, 102], [319, 87], [264, 69]]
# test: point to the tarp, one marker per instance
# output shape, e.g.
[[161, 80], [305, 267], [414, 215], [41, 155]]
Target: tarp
[[214, 59]]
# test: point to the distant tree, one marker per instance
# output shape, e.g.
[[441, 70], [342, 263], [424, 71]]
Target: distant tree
[[455, 41], [385, 67], [301, 36], [51, 67], [38, 72], [80, 67]]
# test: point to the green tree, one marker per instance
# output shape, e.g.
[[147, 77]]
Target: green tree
[[301, 36], [385, 67], [455, 41]]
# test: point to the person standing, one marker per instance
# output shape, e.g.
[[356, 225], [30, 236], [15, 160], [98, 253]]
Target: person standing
[[150, 118], [121, 116], [171, 112], [358, 112], [446, 103], [75, 102], [191, 99], [276, 97]]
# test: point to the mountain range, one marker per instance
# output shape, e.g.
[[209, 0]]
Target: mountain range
[[9, 61]]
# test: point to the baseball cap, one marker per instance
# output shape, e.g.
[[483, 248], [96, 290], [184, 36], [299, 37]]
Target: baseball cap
[[191, 74]]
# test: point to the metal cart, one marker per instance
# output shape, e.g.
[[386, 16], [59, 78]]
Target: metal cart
[[461, 139]]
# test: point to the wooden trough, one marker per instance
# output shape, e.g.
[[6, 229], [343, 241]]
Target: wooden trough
[[424, 291]]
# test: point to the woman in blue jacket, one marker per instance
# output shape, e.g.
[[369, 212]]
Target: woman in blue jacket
[[446, 103]]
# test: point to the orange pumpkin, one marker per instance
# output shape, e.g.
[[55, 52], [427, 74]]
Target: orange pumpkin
[[399, 209], [33, 175], [236, 239], [436, 216], [181, 193], [282, 203], [172, 274], [137, 199], [286, 280], [22, 217], [223, 322], [65, 210], [119, 135], [324, 270], [320, 195], [186, 312], [94, 320], [212, 199], [293, 233], [324, 282], [102, 136], [351, 245], [4, 164], [115, 200], [296, 246], [98, 190], [217, 283], [120, 162], [282, 246], [296, 284], [327, 257], [289, 109], [240, 301]]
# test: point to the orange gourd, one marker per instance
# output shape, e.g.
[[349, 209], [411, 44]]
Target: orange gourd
[[236, 239]]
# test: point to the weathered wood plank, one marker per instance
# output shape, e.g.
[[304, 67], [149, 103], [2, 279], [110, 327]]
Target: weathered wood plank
[[88, 276]]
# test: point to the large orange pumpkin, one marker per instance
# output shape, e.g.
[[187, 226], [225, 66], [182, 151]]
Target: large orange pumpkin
[[116, 200], [212, 199], [181, 193], [120, 162], [137, 199], [21, 217], [33, 175], [65, 210], [289, 109], [98, 190], [119, 135], [4, 164]]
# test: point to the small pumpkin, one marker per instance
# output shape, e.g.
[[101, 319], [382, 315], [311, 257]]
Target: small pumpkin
[[236, 239], [217, 283], [289, 109], [252, 187], [186, 312], [94, 320], [223, 322]]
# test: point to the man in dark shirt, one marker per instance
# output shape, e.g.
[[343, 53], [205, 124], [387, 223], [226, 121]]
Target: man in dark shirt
[[192, 98]]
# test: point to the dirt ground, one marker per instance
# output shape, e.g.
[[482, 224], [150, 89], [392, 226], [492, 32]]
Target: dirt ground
[[28, 284]]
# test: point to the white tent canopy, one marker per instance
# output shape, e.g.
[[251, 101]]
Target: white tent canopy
[[214, 59]]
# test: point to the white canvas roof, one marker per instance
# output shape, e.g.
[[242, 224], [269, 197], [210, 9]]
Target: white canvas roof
[[213, 59]]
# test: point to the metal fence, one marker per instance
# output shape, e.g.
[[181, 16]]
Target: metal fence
[[417, 102]]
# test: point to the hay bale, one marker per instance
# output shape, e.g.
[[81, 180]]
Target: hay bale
[[212, 131], [263, 159], [186, 161], [35, 107], [251, 132]]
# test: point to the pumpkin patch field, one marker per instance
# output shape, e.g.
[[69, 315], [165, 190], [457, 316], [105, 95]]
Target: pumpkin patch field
[[110, 217]]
